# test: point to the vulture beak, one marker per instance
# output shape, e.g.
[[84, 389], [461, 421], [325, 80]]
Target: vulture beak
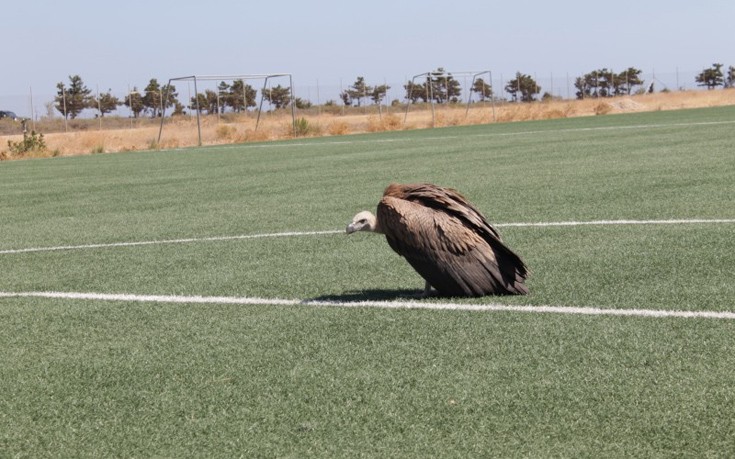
[[351, 228]]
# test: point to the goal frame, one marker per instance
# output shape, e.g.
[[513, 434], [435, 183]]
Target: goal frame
[[434, 74], [246, 77]]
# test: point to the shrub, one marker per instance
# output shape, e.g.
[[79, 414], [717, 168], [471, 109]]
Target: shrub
[[301, 127], [32, 143], [338, 128], [602, 108], [225, 132]]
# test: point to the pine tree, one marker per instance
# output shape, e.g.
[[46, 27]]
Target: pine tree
[[523, 87], [134, 101], [278, 96], [711, 77], [482, 89], [72, 100], [107, 103]]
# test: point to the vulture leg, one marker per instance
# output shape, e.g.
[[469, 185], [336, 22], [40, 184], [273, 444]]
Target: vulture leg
[[427, 290]]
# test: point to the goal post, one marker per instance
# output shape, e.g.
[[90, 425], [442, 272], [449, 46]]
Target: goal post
[[248, 77]]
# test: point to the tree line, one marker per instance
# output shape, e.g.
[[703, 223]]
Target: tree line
[[72, 99], [438, 86]]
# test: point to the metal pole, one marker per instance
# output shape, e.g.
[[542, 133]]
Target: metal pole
[[518, 85], [33, 115], [469, 95], [163, 114], [196, 98], [99, 105], [492, 94], [293, 105], [260, 108], [408, 96], [130, 106], [430, 91], [244, 97], [318, 101], [551, 74], [66, 123], [387, 99]]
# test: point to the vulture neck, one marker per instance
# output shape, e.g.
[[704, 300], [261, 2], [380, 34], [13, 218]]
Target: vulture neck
[[375, 225]]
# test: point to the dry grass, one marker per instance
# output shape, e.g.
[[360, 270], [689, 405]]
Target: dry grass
[[182, 131]]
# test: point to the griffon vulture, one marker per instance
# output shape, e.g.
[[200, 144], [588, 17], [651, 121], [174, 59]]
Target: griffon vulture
[[446, 240]]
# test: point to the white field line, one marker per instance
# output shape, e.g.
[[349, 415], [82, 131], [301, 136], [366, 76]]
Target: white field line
[[168, 241], [397, 304], [622, 222], [327, 232]]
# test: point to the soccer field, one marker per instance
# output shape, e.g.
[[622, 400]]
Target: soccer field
[[206, 302]]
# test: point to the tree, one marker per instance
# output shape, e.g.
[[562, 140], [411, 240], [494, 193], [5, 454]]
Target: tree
[[598, 83], [107, 103], [356, 92], [223, 93], [524, 86], [159, 97], [627, 79], [207, 101], [279, 96], [378, 93], [134, 101], [444, 88], [238, 96], [152, 99], [584, 85], [483, 90], [302, 104], [72, 100], [414, 92], [346, 99], [178, 109], [711, 77], [606, 83], [730, 81], [242, 96]]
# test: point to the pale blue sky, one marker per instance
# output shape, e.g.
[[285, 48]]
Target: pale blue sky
[[119, 44]]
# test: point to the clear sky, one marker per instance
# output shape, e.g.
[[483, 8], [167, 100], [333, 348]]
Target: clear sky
[[123, 43]]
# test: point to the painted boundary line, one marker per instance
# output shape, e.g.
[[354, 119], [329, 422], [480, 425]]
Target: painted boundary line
[[168, 241], [407, 304], [327, 232], [622, 222]]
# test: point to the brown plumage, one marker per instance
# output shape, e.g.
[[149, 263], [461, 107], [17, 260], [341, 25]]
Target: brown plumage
[[446, 240]]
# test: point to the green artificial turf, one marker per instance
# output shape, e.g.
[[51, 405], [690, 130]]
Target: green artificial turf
[[84, 378]]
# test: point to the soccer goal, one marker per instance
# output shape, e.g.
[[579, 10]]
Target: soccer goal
[[266, 78], [434, 85]]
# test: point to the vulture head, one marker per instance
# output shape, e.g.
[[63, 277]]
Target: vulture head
[[363, 221]]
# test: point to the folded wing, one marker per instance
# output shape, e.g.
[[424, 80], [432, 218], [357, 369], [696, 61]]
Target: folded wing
[[449, 242]]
